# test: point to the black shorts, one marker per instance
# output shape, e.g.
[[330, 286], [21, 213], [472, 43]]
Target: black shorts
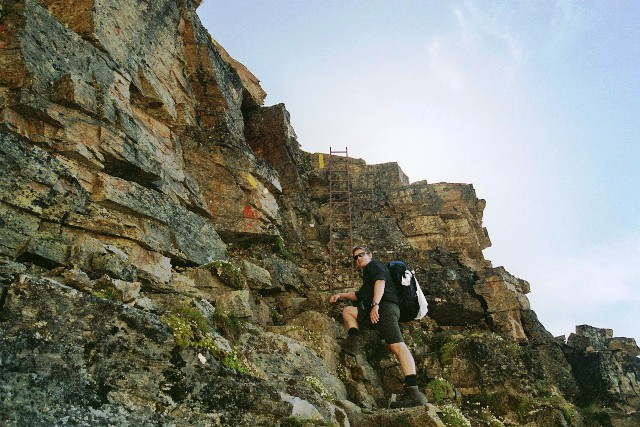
[[388, 325]]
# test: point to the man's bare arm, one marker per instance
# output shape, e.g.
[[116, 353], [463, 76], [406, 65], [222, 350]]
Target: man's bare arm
[[378, 291], [349, 296]]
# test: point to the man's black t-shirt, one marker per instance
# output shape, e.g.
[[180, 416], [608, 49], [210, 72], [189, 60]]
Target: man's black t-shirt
[[373, 271]]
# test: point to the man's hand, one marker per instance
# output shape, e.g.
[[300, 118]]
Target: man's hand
[[373, 315], [334, 298]]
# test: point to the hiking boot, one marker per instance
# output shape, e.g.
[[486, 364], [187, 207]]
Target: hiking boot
[[352, 345], [409, 398]]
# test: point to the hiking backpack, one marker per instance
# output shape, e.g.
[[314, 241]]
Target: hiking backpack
[[413, 304]]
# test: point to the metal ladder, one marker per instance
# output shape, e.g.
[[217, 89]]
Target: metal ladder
[[340, 232]]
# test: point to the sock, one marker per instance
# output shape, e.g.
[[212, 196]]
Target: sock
[[353, 331], [410, 381]]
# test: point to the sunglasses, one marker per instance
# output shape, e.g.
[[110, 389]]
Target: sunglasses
[[360, 255]]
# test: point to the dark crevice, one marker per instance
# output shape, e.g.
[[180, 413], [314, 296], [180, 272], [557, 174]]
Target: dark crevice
[[31, 258], [4, 290], [127, 171], [198, 210], [102, 391]]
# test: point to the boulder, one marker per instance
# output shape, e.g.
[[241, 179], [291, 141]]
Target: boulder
[[237, 303], [98, 362], [258, 278]]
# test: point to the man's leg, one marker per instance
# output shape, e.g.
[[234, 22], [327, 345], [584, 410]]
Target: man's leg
[[393, 336], [411, 395], [402, 353], [350, 319]]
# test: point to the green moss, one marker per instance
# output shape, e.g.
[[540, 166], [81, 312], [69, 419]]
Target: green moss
[[194, 315], [228, 273], [110, 293], [190, 329], [524, 408], [449, 349], [419, 337], [569, 412], [234, 361], [550, 395], [229, 325], [595, 411], [440, 388], [281, 250]]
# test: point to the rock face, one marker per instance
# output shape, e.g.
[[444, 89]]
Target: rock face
[[163, 253]]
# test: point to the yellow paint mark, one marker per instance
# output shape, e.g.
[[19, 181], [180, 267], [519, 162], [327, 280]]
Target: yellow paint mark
[[321, 160], [252, 181]]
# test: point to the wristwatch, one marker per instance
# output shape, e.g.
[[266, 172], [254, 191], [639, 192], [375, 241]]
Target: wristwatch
[[373, 304]]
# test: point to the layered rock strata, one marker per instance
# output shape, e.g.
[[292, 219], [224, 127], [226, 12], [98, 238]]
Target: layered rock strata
[[163, 253]]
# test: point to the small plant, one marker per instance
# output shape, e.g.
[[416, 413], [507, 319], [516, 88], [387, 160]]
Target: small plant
[[229, 274], [319, 388], [594, 411], [449, 349], [107, 293], [276, 316], [440, 389], [235, 362], [190, 329], [525, 406], [419, 337], [453, 416], [495, 422], [228, 324], [497, 337], [569, 412], [512, 348]]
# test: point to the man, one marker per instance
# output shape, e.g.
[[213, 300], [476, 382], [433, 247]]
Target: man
[[381, 310]]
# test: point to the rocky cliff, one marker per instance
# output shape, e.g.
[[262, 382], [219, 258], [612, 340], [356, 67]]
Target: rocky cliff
[[163, 253]]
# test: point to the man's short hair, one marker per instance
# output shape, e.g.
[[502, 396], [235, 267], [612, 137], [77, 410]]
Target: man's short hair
[[364, 248]]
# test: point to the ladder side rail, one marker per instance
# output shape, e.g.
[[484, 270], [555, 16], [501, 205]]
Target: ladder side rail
[[348, 177], [331, 266]]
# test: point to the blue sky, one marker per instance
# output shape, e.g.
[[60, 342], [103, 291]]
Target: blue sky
[[535, 103]]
